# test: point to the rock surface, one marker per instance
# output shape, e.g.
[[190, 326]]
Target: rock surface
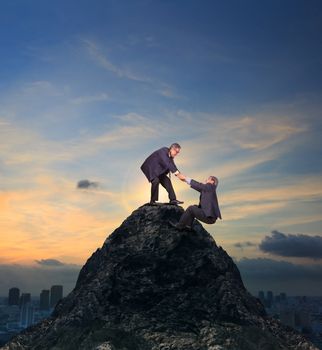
[[152, 287]]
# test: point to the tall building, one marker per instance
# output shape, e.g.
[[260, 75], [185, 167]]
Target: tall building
[[26, 310], [14, 295], [25, 298], [56, 293], [303, 318], [287, 317], [270, 298], [44, 300], [261, 296], [26, 315]]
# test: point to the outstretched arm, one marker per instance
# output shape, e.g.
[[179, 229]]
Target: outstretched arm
[[198, 186], [187, 180], [180, 175]]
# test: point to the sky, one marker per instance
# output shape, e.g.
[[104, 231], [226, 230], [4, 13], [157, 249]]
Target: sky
[[88, 89]]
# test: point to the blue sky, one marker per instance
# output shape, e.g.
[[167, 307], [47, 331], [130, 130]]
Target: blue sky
[[88, 89]]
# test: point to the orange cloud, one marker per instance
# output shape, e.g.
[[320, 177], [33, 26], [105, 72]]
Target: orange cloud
[[306, 188]]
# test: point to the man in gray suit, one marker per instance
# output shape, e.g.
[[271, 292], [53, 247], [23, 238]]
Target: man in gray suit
[[208, 209], [156, 168]]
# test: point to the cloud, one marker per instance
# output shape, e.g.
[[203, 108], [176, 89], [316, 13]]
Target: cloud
[[281, 276], [97, 55], [242, 245], [249, 134], [299, 220], [72, 223], [294, 188], [274, 196], [291, 245], [49, 262], [86, 184], [125, 136], [90, 99], [168, 91], [40, 87], [22, 145], [240, 210], [4, 122], [261, 133]]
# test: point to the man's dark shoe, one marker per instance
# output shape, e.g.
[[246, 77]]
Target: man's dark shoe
[[175, 202], [176, 225], [153, 203]]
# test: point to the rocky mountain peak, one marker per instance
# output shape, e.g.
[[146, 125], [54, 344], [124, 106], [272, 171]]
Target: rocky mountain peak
[[153, 287]]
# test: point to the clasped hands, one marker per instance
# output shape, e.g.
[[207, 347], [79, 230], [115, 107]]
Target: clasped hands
[[181, 177]]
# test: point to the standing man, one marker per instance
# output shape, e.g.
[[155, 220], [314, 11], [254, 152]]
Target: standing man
[[208, 209], [157, 166]]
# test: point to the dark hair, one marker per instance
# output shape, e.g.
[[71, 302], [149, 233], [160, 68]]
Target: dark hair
[[175, 145], [214, 179]]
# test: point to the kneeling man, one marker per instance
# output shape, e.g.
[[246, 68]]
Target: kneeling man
[[208, 209]]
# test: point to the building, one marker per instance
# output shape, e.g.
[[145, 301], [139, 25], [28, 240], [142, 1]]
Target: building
[[26, 315], [14, 295], [270, 298], [44, 300], [25, 299], [287, 317], [12, 313], [303, 318], [56, 293], [261, 296]]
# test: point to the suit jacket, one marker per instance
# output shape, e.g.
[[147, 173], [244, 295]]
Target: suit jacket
[[158, 163], [208, 198]]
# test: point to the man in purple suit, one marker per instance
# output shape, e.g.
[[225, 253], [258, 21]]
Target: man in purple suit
[[208, 209], [156, 168]]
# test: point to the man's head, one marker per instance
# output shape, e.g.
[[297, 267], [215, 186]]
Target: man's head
[[212, 180], [174, 149]]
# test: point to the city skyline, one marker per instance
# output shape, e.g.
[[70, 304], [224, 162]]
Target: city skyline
[[256, 293], [14, 296], [89, 89]]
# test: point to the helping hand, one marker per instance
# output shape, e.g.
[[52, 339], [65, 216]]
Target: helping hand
[[181, 177]]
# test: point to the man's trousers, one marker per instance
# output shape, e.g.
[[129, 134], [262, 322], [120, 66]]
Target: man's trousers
[[166, 183], [192, 212]]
